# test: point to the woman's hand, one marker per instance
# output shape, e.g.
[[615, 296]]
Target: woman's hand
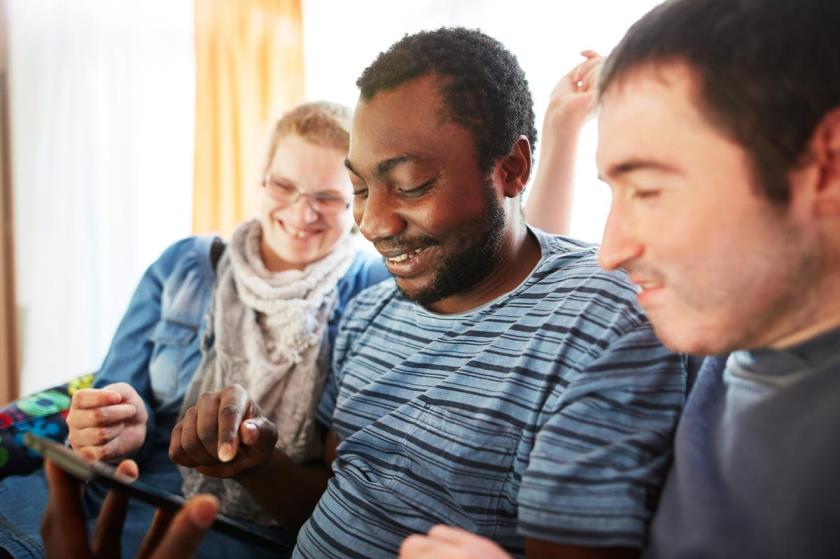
[[107, 423]]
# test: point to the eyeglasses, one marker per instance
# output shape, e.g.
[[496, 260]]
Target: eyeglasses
[[326, 203]]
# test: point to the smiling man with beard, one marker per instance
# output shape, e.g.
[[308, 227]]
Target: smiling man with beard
[[501, 381], [475, 248]]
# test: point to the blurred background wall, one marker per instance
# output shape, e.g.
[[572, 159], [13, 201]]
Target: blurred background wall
[[132, 124]]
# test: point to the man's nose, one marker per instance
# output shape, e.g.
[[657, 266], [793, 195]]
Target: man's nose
[[620, 245], [378, 215]]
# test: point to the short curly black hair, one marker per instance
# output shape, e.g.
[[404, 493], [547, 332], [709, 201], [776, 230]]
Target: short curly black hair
[[484, 88]]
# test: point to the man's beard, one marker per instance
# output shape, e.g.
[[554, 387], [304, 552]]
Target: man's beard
[[481, 240]]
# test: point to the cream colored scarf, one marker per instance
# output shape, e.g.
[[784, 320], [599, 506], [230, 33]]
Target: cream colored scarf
[[266, 331]]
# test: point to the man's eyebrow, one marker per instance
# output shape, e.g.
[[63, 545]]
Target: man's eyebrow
[[632, 165], [386, 166]]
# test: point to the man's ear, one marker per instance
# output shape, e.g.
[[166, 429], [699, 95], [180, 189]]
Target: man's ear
[[825, 155], [515, 168]]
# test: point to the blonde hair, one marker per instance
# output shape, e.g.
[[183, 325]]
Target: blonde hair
[[321, 123]]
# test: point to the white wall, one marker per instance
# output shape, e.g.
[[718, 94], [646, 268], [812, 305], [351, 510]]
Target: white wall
[[102, 95], [342, 38]]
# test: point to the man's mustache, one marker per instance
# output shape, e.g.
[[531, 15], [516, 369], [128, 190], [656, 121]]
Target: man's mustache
[[399, 245]]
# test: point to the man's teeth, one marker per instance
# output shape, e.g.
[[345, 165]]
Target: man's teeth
[[404, 256]]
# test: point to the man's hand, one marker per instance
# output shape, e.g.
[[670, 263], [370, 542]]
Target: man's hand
[[446, 542], [109, 423], [65, 535], [224, 435]]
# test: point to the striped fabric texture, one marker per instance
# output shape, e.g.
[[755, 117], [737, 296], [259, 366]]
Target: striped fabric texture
[[547, 413]]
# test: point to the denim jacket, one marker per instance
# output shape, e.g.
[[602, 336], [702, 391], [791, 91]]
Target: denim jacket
[[156, 348]]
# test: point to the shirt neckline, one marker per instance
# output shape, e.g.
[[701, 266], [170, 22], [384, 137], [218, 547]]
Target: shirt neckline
[[814, 354], [544, 242]]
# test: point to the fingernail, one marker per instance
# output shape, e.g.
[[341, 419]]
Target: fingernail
[[131, 472], [204, 515], [226, 452], [250, 433]]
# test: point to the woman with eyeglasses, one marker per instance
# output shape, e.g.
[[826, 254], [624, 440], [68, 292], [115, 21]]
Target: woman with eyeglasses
[[260, 311]]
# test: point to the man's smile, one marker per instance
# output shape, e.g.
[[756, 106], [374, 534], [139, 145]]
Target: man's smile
[[407, 261]]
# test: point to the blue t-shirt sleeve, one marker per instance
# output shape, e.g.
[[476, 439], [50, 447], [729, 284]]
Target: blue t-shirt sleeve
[[600, 458]]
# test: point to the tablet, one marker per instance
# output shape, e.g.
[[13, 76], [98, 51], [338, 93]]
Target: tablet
[[106, 475]]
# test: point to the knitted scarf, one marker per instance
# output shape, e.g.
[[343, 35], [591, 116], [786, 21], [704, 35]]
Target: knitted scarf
[[266, 331]]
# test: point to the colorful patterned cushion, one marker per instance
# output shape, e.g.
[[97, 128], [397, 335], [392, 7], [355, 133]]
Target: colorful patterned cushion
[[43, 414]]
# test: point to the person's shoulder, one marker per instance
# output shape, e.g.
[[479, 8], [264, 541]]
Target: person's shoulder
[[194, 244], [188, 254], [569, 260], [561, 253], [561, 243], [569, 272]]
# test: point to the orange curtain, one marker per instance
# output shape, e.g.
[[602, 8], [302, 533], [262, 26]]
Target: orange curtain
[[249, 69], [9, 373]]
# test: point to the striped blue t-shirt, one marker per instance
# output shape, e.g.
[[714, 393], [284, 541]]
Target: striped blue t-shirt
[[546, 413]]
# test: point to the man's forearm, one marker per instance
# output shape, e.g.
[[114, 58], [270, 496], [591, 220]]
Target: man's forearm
[[285, 490]]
